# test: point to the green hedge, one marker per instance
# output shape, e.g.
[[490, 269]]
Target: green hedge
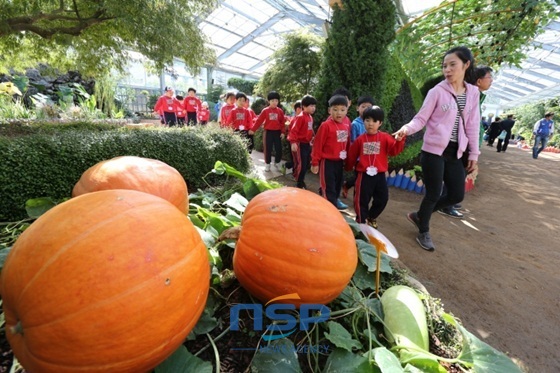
[[48, 165]]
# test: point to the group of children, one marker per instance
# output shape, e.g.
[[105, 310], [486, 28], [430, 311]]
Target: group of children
[[338, 145], [179, 110]]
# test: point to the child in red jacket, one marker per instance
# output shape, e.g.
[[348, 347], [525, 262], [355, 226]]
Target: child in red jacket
[[300, 137], [368, 155], [182, 113], [240, 119], [203, 115], [226, 109], [192, 106], [330, 149], [169, 106], [274, 122]]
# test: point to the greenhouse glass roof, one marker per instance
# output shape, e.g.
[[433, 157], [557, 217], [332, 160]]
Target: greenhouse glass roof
[[245, 34]]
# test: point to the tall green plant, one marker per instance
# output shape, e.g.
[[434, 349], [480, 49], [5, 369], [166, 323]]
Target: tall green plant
[[355, 53], [295, 68]]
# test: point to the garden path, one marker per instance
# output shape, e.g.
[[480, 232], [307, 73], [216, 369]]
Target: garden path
[[497, 269]]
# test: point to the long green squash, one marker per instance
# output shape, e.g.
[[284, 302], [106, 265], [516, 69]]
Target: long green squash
[[405, 317]]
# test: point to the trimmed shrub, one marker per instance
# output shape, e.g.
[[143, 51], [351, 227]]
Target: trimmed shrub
[[48, 165]]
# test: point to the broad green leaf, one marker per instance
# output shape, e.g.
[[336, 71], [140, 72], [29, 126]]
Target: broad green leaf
[[350, 297], [215, 258], [38, 206], [237, 202], [196, 221], [425, 363], [207, 238], [480, 356], [368, 256], [343, 361], [387, 361], [278, 357], [219, 224], [375, 308], [340, 337], [250, 189], [182, 361], [206, 323], [233, 216], [363, 279]]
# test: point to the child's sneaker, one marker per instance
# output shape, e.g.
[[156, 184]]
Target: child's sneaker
[[267, 167], [372, 223], [278, 167], [340, 205]]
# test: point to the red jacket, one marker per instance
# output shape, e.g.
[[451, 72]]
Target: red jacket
[[301, 129], [168, 105], [192, 104], [203, 115], [273, 119], [240, 119], [331, 140], [373, 150], [182, 112], [224, 114]]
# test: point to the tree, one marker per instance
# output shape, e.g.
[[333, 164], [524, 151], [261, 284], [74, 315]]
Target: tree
[[295, 67], [356, 50], [93, 36], [245, 86]]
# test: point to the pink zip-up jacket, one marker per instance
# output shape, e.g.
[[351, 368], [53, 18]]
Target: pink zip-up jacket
[[438, 114]]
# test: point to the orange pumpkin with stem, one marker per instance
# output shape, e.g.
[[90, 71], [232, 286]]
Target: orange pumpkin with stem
[[294, 241], [136, 173], [110, 281]]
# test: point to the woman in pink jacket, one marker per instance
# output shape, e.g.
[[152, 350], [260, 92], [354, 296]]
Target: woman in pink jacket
[[451, 116]]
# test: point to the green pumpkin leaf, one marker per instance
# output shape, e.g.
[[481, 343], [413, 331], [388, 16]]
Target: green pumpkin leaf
[[363, 279], [340, 337], [278, 357], [182, 361], [479, 356], [368, 256], [386, 360], [250, 189], [237, 202], [343, 361], [38, 206]]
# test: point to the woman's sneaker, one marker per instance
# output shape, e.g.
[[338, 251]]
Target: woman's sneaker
[[451, 212], [425, 241]]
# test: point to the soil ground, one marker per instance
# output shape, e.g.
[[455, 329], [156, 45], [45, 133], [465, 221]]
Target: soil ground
[[498, 269]]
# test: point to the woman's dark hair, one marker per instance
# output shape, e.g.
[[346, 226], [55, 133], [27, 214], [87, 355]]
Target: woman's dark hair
[[465, 55]]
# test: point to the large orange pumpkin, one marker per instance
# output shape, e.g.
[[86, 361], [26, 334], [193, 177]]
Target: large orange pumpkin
[[110, 281], [293, 241], [136, 173]]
